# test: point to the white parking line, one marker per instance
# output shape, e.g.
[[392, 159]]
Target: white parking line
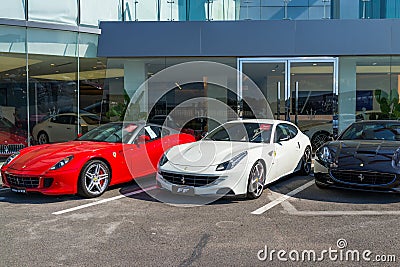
[[104, 201], [282, 198], [342, 212]]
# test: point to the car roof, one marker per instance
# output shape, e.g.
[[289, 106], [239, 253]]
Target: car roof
[[269, 121], [376, 121]]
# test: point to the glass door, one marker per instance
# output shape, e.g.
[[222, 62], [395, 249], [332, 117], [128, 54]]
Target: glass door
[[270, 78], [300, 90], [312, 93]]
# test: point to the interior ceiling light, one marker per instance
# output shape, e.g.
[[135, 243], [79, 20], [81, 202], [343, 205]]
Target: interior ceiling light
[[314, 64], [374, 63], [273, 70], [52, 64]]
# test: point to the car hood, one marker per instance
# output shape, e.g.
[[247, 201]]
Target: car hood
[[373, 154], [10, 138], [207, 153], [41, 158]]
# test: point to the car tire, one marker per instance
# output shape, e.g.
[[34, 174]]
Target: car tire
[[43, 138], [305, 168], [255, 185], [94, 179], [318, 139]]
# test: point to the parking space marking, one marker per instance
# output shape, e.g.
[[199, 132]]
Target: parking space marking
[[341, 212], [281, 199], [104, 201]]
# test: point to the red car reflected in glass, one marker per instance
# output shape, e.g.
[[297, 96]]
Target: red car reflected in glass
[[110, 154], [12, 139]]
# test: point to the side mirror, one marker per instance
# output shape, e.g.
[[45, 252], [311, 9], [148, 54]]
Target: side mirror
[[142, 139]]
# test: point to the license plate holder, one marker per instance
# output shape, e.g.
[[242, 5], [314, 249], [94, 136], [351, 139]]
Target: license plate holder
[[20, 190], [183, 190]]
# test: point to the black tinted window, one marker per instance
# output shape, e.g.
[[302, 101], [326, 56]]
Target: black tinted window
[[372, 131], [242, 132], [285, 131], [62, 119]]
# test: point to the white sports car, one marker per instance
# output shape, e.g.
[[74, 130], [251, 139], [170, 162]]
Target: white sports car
[[236, 158]]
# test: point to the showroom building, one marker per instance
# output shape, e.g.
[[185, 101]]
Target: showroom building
[[320, 63]]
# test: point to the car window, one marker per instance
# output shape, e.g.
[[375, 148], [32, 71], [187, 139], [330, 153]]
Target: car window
[[62, 119], [112, 132], [292, 130], [372, 131], [242, 132], [152, 131], [283, 130]]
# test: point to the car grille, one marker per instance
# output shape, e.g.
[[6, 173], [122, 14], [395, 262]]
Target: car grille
[[27, 182], [364, 178], [188, 179], [9, 149]]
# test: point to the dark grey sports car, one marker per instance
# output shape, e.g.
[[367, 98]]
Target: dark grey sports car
[[366, 156]]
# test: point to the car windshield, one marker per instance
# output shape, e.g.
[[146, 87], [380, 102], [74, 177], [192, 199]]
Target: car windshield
[[372, 131], [111, 132], [242, 132]]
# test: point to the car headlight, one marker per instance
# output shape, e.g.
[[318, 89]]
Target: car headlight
[[62, 163], [163, 160], [396, 159], [11, 158], [230, 164], [325, 155]]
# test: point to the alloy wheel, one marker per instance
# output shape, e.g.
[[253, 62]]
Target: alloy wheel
[[96, 178], [256, 180]]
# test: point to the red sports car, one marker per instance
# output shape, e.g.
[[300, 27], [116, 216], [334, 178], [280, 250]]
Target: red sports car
[[12, 139], [110, 154]]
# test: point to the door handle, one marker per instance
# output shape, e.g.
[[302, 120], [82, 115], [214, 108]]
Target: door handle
[[68, 128], [298, 143]]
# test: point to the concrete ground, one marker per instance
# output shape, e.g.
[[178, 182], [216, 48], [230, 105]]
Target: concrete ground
[[129, 227]]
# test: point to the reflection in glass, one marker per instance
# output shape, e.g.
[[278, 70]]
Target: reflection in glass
[[65, 12]]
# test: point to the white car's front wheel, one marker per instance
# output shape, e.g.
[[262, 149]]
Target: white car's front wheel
[[256, 180]]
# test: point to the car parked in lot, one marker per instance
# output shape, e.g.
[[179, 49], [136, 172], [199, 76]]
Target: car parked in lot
[[12, 138], [366, 156], [110, 154], [236, 158], [64, 127]]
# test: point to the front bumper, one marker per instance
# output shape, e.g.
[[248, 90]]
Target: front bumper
[[356, 179], [50, 183], [225, 183]]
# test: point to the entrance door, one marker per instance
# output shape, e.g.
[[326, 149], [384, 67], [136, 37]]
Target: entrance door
[[312, 94], [300, 90], [270, 78]]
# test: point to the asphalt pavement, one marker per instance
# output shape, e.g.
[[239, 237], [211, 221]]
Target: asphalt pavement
[[128, 226]]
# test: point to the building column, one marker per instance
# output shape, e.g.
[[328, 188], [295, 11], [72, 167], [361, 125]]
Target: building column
[[134, 77], [347, 92]]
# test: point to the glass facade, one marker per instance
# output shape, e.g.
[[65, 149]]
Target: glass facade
[[90, 13]]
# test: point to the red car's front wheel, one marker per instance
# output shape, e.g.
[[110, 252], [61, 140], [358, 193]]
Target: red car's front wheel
[[94, 179]]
